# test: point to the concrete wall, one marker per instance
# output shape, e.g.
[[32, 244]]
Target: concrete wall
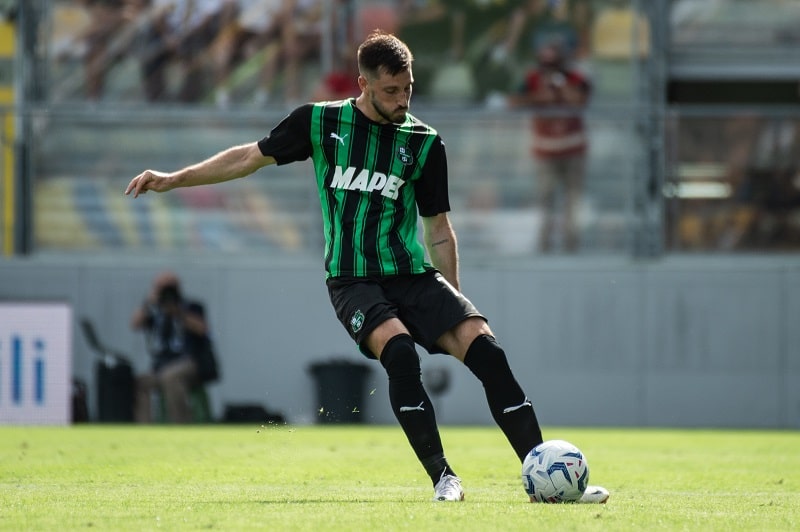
[[691, 342]]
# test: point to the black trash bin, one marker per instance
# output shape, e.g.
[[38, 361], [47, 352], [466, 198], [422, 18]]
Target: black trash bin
[[340, 388], [115, 390]]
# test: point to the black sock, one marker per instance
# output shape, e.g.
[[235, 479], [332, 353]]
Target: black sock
[[411, 405], [510, 408]]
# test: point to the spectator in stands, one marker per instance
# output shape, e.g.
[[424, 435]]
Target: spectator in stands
[[182, 31], [301, 37], [106, 20], [253, 34], [422, 13], [557, 93], [568, 20], [177, 335], [342, 81], [97, 32]]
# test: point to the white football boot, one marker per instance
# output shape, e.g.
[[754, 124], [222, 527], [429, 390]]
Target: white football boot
[[448, 489], [594, 495]]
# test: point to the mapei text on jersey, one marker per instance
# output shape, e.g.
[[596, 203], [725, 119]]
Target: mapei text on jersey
[[389, 186]]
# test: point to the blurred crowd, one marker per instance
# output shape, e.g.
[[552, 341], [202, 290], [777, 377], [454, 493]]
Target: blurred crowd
[[188, 50], [226, 52]]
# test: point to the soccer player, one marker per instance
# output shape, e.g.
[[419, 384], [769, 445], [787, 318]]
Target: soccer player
[[377, 166]]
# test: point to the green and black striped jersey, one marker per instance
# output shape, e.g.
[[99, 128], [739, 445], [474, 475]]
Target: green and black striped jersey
[[372, 180]]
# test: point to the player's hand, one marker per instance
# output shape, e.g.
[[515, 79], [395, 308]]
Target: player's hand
[[148, 180]]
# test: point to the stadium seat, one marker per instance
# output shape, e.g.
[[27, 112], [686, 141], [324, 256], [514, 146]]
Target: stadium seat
[[620, 34], [619, 37]]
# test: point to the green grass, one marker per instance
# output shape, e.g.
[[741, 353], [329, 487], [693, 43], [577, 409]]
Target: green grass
[[365, 477]]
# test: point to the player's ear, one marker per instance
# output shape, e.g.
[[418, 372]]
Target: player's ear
[[362, 83]]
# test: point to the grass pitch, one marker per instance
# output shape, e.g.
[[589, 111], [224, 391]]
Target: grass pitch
[[365, 477]]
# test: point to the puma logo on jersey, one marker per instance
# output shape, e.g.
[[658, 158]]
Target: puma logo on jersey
[[347, 179], [338, 138]]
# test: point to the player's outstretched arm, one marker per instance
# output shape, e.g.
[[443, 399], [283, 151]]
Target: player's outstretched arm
[[233, 163]]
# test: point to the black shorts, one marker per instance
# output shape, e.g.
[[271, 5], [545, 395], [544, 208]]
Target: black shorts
[[426, 303]]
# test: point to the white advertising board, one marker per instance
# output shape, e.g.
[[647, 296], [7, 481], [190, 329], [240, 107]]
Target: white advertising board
[[35, 363]]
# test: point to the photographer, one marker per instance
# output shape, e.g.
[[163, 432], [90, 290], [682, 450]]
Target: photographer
[[178, 341]]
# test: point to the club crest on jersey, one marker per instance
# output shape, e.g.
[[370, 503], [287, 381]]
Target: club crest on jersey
[[405, 156], [357, 321]]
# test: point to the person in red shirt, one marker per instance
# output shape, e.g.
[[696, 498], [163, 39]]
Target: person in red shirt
[[342, 81], [558, 94]]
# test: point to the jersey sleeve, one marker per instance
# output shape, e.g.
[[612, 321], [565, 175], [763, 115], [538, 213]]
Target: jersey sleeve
[[431, 188], [290, 140]]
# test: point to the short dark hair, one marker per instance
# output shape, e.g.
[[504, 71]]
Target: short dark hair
[[382, 50]]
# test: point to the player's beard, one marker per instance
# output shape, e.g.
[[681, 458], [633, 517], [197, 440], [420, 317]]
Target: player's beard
[[396, 117]]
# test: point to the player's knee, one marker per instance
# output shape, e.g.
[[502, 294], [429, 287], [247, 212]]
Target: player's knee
[[400, 358]]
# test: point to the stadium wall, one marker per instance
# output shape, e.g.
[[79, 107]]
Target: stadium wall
[[683, 342]]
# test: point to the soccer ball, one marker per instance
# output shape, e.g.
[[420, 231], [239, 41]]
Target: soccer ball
[[555, 471]]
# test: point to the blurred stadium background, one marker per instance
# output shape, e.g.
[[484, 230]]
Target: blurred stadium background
[[678, 309]]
